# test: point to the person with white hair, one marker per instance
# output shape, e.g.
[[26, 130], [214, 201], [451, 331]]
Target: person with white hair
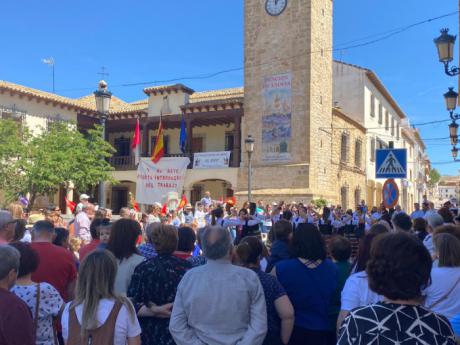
[[433, 220], [239, 318], [83, 223], [16, 325]]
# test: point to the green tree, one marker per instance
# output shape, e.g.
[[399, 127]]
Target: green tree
[[435, 176], [319, 203], [39, 164]]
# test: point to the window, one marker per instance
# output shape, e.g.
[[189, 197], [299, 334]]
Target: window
[[392, 126], [387, 120], [372, 149], [372, 105], [122, 145], [380, 113], [397, 131], [357, 196], [358, 151], [344, 197], [344, 148], [229, 141]]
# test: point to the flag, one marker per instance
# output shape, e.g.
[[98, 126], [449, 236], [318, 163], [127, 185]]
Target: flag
[[133, 202], [183, 202], [136, 142], [231, 201], [164, 210], [70, 204], [183, 135], [159, 149]]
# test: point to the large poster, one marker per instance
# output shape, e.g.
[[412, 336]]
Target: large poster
[[155, 181], [276, 119], [211, 160]]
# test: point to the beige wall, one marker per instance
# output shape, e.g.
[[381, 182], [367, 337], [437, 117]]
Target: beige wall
[[282, 44], [347, 173], [176, 100]]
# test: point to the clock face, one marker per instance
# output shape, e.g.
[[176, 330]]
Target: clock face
[[275, 7]]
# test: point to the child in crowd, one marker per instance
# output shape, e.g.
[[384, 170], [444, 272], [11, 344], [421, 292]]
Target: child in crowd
[[104, 235], [75, 244]]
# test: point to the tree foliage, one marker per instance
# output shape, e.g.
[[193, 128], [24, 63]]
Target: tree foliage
[[319, 203], [435, 176], [41, 162]]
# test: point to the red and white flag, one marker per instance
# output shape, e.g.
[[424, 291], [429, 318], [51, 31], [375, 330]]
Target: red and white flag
[[136, 142]]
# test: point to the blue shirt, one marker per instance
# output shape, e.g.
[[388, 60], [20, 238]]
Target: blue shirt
[[147, 250], [310, 291]]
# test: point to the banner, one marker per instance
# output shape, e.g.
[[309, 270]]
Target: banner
[[156, 180], [276, 119], [211, 160]]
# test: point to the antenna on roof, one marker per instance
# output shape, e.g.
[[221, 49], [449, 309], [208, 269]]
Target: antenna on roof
[[50, 62]]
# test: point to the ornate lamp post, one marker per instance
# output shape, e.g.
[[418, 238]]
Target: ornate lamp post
[[249, 144], [103, 97], [445, 45]]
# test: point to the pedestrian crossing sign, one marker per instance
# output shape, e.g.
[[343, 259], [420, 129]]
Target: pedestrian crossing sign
[[391, 163]]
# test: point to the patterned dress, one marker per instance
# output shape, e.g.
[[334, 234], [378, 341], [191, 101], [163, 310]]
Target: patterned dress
[[49, 306], [156, 281], [391, 324]]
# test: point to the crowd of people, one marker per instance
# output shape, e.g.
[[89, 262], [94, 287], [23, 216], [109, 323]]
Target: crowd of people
[[281, 273]]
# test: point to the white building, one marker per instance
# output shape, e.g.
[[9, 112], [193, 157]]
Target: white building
[[361, 94]]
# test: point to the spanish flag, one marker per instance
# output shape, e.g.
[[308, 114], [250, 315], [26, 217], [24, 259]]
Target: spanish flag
[[183, 202], [159, 149]]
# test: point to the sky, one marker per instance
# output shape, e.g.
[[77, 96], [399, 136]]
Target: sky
[[150, 42]]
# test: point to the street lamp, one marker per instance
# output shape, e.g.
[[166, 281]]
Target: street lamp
[[445, 45], [453, 133], [451, 98], [249, 144], [103, 97], [454, 153]]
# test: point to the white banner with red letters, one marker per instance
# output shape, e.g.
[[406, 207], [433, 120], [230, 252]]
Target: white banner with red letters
[[155, 181]]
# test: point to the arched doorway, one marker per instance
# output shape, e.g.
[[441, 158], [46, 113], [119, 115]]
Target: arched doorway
[[219, 189]]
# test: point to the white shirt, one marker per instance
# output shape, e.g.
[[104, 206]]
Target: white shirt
[[443, 280], [125, 326], [199, 217], [356, 292], [125, 271], [428, 243]]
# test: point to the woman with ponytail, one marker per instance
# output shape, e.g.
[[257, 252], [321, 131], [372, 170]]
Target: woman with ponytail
[[280, 312], [98, 315]]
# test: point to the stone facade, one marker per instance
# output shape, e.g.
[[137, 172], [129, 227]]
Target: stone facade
[[349, 178], [294, 42]]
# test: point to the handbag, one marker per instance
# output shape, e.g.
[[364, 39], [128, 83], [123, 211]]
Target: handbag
[[445, 296]]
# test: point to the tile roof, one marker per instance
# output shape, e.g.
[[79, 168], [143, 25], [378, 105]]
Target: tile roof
[[217, 95], [168, 88], [42, 95]]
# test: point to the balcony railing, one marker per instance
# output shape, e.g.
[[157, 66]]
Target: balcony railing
[[124, 163]]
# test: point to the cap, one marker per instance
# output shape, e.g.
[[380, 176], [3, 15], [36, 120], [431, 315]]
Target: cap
[[188, 206], [157, 204], [84, 197], [274, 204]]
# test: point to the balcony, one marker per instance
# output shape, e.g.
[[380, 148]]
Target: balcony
[[125, 163]]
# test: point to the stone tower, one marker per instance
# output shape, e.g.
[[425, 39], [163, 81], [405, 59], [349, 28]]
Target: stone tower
[[288, 99]]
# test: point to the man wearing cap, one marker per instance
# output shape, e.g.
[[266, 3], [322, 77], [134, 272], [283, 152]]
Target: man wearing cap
[[84, 200], [7, 225], [188, 214]]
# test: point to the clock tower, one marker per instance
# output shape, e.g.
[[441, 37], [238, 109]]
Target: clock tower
[[288, 99]]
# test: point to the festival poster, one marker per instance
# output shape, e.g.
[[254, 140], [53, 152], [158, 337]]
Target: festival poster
[[156, 180], [276, 119]]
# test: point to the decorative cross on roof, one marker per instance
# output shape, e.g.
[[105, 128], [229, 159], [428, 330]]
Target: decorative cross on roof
[[103, 73]]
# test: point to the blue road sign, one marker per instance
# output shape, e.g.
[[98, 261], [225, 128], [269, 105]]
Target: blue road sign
[[391, 163], [390, 193]]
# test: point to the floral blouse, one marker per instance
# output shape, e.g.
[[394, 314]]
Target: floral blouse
[[156, 281], [49, 306]]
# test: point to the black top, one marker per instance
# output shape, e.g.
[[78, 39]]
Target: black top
[[156, 281], [390, 324]]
